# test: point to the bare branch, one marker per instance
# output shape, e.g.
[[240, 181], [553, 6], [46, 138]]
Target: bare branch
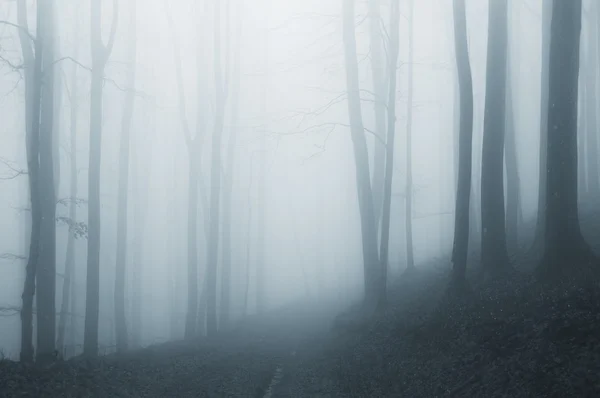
[[21, 28]]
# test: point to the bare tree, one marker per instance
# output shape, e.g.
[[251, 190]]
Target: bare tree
[[410, 261], [32, 58], [494, 254], [225, 305], [215, 176], [378, 74], [391, 134], [374, 283], [121, 258], [100, 54], [545, 54], [463, 190]]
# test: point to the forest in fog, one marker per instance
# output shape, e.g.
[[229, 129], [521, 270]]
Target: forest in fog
[[171, 168]]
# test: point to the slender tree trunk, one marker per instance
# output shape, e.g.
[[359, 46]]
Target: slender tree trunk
[[100, 54], [46, 272], [544, 75], [33, 92], [68, 289], [591, 71], [225, 317], [373, 275], [465, 151], [564, 244], [378, 74], [391, 135], [192, 214], [121, 258], [215, 180], [494, 255], [512, 170], [410, 261], [261, 216]]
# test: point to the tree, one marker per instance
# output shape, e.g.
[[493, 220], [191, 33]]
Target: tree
[[121, 258], [228, 177], [541, 207], [511, 160], [564, 245], [591, 131], [194, 146], [463, 190], [46, 270], [100, 54], [68, 288], [374, 283], [391, 134], [378, 74], [32, 51], [410, 261], [215, 177], [494, 255]]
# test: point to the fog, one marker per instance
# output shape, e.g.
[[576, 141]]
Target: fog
[[293, 170]]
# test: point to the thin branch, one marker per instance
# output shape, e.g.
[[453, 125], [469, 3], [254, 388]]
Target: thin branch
[[21, 28]]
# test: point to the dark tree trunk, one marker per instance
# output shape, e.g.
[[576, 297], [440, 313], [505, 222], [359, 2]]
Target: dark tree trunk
[[33, 92], [46, 270], [374, 283], [463, 191], [512, 169], [541, 208], [378, 74], [494, 256], [564, 243]]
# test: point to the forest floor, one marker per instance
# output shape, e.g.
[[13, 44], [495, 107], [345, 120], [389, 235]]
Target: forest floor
[[512, 337]]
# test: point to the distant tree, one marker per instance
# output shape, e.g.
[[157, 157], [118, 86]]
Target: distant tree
[[513, 182], [32, 51], [215, 175], [393, 50], [374, 283], [225, 305], [494, 255], [463, 190], [68, 288], [410, 260], [564, 246], [100, 54], [121, 257]]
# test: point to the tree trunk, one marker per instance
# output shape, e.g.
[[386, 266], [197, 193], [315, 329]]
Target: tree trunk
[[494, 256], [373, 275], [591, 70], [512, 169], [410, 261], [192, 214], [100, 54], [121, 258], [68, 288], [46, 272], [225, 316], [465, 151], [541, 207], [378, 73], [391, 134], [564, 243], [33, 92]]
